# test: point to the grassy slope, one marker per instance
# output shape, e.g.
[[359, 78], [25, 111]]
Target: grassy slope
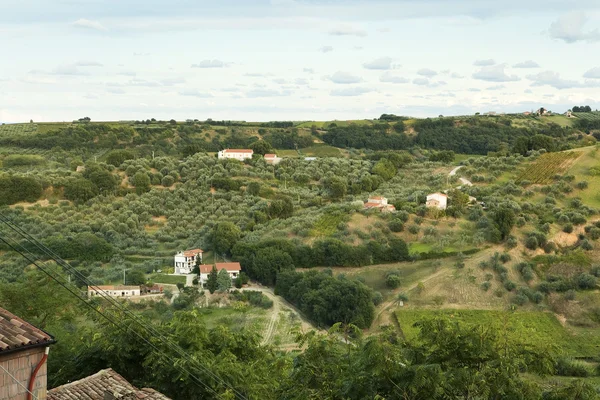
[[530, 327], [591, 158]]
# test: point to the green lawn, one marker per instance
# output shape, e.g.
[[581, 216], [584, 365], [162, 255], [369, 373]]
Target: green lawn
[[327, 224], [322, 124], [168, 279], [528, 326], [458, 158], [321, 150]]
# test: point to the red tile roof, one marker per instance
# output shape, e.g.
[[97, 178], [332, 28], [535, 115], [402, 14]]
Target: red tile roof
[[371, 205], [192, 253], [270, 155], [95, 387], [230, 266], [238, 151], [114, 287], [16, 334]]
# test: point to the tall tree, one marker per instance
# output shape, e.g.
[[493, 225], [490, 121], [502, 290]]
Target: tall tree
[[223, 281], [212, 283]]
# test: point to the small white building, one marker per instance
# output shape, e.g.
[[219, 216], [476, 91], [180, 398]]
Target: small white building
[[233, 268], [310, 158], [272, 159], [114, 290], [236, 154], [437, 200], [379, 202], [186, 260]]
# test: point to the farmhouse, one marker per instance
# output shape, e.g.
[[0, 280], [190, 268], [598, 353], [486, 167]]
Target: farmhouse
[[527, 113], [233, 268], [272, 159], [437, 200], [186, 260], [236, 154], [379, 202], [23, 353], [114, 290]]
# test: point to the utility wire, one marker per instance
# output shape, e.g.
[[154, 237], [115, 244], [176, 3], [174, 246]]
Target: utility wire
[[173, 346], [170, 344], [19, 382]]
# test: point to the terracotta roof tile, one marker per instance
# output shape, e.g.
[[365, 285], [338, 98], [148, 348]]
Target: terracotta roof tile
[[230, 266], [95, 387], [17, 334], [238, 151], [193, 252]]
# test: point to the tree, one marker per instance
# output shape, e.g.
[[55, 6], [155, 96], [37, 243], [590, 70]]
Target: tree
[[118, 157], [281, 207], [385, 169], [261, 147], [79, 190], [141, 181], [223, 281], [212, 282], [253, 188], [135, 277], [504, 219], [336, 187], [224, 236]]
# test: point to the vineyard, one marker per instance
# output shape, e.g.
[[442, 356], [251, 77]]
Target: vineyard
[[543, 170], [590, 116], [18, 129]]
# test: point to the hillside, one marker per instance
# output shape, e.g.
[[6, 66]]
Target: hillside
[[515, 249]]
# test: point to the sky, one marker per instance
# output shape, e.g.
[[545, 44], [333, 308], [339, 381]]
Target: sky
[[261, 60]]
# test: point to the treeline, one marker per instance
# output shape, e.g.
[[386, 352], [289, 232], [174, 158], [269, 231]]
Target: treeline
[[14, 189], [264, 260], [327, 300], [375, 137], [475, 135]]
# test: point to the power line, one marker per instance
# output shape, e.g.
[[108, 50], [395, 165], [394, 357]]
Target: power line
[[172, 346], [19, 382], [109, 319]]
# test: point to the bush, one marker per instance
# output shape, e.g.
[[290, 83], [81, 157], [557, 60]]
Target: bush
[[377, 298], [396, 225], [392, 281], [167, 181], [531, 243], [519, 299], [568, 367], [585, 281], [485, 286], [568, 228], [509, 285], [504, 258]]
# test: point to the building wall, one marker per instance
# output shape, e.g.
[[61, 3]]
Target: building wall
[[21, 364]]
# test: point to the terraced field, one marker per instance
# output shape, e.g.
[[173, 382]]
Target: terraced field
[[547, 166]]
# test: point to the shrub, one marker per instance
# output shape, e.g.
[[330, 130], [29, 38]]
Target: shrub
[[568, 367], [377, 298], [392, 281], [519, 299], [396, 225], [504, 258], [509, 285], [485, 286], [568, 228]]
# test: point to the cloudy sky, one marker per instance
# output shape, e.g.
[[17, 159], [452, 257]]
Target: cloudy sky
[[261, 60]]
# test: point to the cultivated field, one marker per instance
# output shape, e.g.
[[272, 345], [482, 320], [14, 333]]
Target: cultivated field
[[547, 166]]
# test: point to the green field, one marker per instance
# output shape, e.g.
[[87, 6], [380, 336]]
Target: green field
[[591, 158], [321, 150], [527, 326], [168, 279]]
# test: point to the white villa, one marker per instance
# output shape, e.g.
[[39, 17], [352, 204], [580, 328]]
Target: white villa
[[272, 159], [236, 154], [233, 268], [185, 261], [380, 203], [114, 290], [437, 200]]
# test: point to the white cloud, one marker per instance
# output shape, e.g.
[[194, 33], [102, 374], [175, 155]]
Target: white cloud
[[326, 49], [347, 30], [89, 24], [427, 82], [389, 78], [172, 81], [496, 87], [494, 74], [258, 74], [344, 78], [426, 72], [195, 93], [379, 63], [115, 90], [308, 70], [484, 63], [349, 92], [593, 73], [456, 75], [527, 64], [88, 64], [474, 90], [209, 64], [65, 70], [301, 81], [570, 28], [554, 80], [255, 93]]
